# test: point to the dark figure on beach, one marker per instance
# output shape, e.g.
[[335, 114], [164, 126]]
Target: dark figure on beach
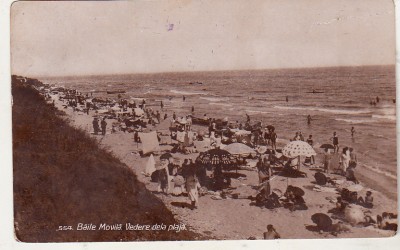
[[271, 233], [377, 99], [309, 119], [192, 109], [335, 142], [165, 116], [327, 160], [394, 100], [367, 202], [352, 131], [374, 103], [103, 126], [247, 118], [273, 137], [287, 98], [184, 98], [87, 107], [174, 116], [96, 126], [162, 105]]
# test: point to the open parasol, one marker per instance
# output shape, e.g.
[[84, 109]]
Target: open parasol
[[215, 157], [327, 145], [239, 149], [298, 148]]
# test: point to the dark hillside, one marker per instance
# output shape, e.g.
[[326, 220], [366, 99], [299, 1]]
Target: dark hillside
[[62, 178]]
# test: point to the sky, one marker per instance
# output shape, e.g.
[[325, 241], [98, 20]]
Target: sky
[[119, 37]]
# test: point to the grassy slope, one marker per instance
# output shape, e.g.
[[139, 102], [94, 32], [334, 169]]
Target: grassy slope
[[62, 177]]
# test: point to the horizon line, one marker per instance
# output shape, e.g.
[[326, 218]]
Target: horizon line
[[201, 71]]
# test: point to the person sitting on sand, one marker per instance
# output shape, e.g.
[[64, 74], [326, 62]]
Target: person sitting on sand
[[271, 233], [294, 202], [339, 207], [368, 201], [350, 174]]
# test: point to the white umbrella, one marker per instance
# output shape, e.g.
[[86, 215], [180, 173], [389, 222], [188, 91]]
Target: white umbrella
[[239, 149], [298, 148]]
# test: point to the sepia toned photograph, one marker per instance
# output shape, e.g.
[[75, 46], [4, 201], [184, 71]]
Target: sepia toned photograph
[[186, 120]]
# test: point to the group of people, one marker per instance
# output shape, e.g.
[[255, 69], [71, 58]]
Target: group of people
[[96, 126]]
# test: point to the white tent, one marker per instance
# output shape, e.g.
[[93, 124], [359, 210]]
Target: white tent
[[149, 142], [150, 165]]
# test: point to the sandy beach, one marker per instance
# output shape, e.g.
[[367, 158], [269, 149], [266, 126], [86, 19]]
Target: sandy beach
[[237, 218]]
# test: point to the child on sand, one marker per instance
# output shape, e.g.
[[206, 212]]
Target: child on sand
[[271, 233]]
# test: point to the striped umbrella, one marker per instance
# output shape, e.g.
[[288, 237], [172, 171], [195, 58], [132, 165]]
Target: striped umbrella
[[215, 157], [298, 148]]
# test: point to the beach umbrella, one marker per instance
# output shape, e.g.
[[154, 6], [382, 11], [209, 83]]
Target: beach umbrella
[[323, 221], [215, 157], [327, 145], [165, 156], [239, 149], [298, 148]]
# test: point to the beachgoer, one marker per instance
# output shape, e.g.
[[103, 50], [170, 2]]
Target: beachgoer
[[309, 119], [287, 98], [271, 233], [368, 201], [335, 142], [297, 137], [327, 160], [96, 126], [247, 118], [163, 177], [192, 109], [192, 188], [162, 105], [353, 158], [103, 126], [273, 137], [301, 136], [184, 98], [352, 131], [311, 142], [174, 116], [350, 175], [377, 99], [344, 160]]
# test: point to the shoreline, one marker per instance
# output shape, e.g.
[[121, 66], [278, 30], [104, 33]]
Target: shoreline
[[122, 145]]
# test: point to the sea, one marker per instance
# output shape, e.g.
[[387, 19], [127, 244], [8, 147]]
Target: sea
[[343, 100]]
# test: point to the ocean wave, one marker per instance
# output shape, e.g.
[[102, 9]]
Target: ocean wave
[[256, 111], [388, 117], [220, 104], [335, 111], [380, 171], [211, 99], [356, 121], [185, 92]]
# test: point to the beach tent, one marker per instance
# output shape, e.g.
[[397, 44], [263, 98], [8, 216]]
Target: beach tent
[[149, 142], [150, 165]]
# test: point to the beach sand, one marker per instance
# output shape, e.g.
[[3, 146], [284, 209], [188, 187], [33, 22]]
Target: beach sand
[[236, 218]]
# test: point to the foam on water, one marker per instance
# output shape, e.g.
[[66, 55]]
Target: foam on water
[[211, 99], [379, 171], [335, 111], [387, 117], [180, 92], [220, 104], [356, 121]]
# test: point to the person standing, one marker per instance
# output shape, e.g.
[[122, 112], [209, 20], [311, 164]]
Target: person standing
[[162, 105], [344, 160], [352, 131], [271, 233], [96, 127], [192, 188], [287, 98], [353, 158], [311, 142], [335, 142], [327, 160], [103, 126], [309, 119], [273, 137]]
